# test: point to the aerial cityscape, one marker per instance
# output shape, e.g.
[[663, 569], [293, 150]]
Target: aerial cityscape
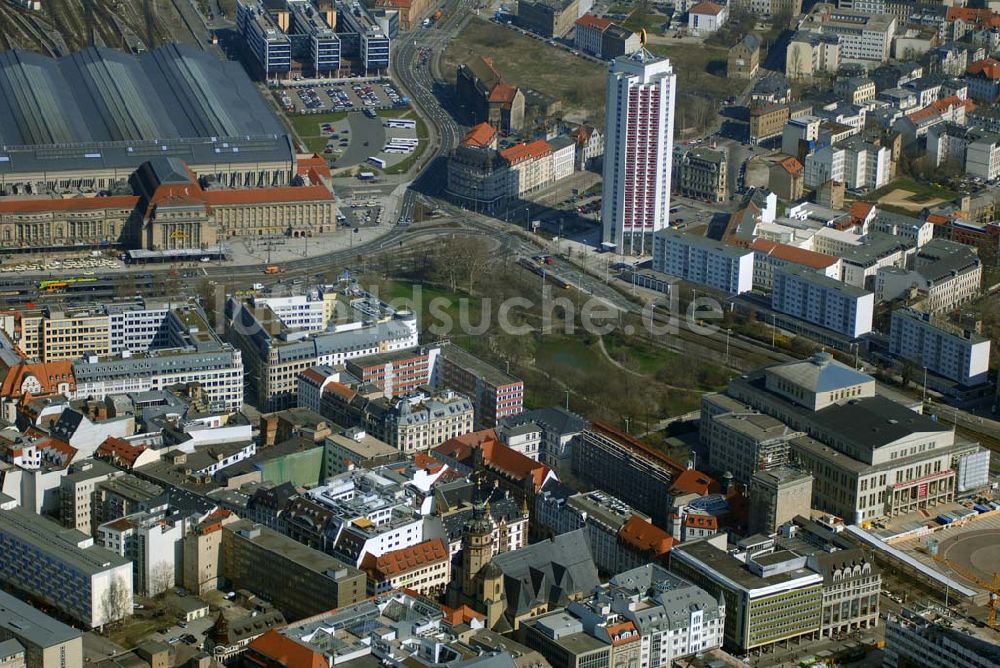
[[499, 333]]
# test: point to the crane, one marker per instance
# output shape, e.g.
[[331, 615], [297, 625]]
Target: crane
[[992, 587]]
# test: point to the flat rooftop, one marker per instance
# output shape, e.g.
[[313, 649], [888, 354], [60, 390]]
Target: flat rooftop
[[57, 542], [21, 620]]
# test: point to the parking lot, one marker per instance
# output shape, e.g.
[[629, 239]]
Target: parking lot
[[341, 96]]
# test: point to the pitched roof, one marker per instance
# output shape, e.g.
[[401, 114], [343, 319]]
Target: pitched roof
[[267, 195], [692, 481], [404, 560], [284, 651], [988, 68], [120, 450], [709, 8], [792, 166], [595, 22], [482, 134], [48, 375], [694, 521], [860, 210], [38, 204], [521, 152], [644, 537], [800, 256], [503, 92], [461, 615]]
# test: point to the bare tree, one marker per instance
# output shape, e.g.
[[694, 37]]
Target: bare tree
[[161, 578], [116, 602]]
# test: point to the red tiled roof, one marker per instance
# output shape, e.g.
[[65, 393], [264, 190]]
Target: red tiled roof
[[480, 135], [644, 537], [792, 166], [313, 375], [987, 67], [701, 522], [344, 391], [38, 204], [595, 22], [48, 375], [424, 461], [622, 634], [119, 450], [806, 258], [984, 17], [521, 152], [709, 8], [496, 456], [265, 195], [405, 559], [921, 115], [692, 481], [284, 651], [463, 614], [860, 210], [503, 92]]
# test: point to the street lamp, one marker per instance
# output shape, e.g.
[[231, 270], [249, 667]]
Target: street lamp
[[728, 332]]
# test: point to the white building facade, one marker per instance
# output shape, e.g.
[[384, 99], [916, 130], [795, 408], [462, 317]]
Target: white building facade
[[638, 151]]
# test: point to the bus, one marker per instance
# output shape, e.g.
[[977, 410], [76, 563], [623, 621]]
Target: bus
[[366, 176], [400, 141], [397, 149], [378, 162], [401, 123]]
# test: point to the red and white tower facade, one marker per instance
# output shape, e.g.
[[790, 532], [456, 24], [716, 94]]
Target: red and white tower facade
[[638, 150]]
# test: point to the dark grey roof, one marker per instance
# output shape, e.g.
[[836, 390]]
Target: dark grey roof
[[874, 421], [103, 95], [551, 418], [102, 108], [21, 620], [548, 572]]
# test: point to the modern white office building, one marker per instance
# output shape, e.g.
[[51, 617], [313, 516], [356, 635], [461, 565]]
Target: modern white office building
[[83, 581], [941, 348], [704, 261], [823, 301], [638, 150]]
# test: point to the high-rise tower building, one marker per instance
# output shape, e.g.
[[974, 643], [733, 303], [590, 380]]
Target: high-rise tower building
[[639, 144]]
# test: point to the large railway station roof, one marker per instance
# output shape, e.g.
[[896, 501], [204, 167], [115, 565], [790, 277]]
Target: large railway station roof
[[101, 95]]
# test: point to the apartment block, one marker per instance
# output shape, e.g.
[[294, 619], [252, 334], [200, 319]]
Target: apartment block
[[424, 568], [275, 354], [396, 373], [982, 157], [944, 274], [296, 579], [768, 597], [943, 349], [912, 640], [643, 616], [863, 37], [495, 394], [701, 173], [703, 261], [43, 642], [823, 301], [627, 469], [82, 581], [76, 493]]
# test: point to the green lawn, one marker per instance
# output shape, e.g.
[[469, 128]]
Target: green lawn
[[651, 21], [639, 356], [307, 128]]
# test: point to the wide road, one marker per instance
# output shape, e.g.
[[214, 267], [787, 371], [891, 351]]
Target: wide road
[[416, 58]]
